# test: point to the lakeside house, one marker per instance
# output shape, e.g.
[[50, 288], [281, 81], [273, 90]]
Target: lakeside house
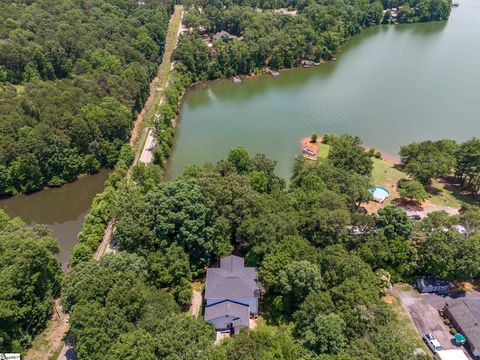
[[231, 295], [464, 313]]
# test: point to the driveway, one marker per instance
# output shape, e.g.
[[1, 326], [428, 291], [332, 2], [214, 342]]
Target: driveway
[[422, 310]]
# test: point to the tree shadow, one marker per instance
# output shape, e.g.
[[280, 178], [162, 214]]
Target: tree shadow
[[408, 205]]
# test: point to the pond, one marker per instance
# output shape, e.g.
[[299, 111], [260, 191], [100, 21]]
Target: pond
[[63, 209]]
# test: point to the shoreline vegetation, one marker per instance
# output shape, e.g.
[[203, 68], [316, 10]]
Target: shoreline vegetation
[[322, 263], [190, 53]]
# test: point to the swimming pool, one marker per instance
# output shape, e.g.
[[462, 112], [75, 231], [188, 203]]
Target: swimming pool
[[380, 193]]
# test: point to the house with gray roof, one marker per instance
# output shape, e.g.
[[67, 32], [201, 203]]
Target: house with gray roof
[[231, 295], [464, 313]]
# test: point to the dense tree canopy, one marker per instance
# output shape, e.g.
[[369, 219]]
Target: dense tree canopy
[[73, 74], [268, 38], [323, 265], [30, 277]]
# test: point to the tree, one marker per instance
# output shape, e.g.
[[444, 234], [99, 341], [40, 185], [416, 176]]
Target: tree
[[437, 254], [326, 334], [394, 222], [240, 158], [176, 334], [313, 137], [265, 342], [30, 276], [131, 344], [428, 160], [412, 190], [346, 153], [296, 281]]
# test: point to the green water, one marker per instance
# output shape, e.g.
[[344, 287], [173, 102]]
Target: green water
[[63, 209], [391, 85]]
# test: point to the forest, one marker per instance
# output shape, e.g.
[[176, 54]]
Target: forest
[[324, 265], [30, 277], [265, 38], [73, 75]]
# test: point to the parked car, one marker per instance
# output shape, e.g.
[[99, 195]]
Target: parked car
[[432, 343], [415, 217]]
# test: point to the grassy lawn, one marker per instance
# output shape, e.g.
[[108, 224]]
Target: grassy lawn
[[448, 197], [385, 173], [405, 327]]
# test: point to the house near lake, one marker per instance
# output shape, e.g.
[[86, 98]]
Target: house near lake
[[232, 292]]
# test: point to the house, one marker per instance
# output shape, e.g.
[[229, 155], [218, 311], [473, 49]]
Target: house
[[464, 313], [224, 36], [431, 285], [231, 295]]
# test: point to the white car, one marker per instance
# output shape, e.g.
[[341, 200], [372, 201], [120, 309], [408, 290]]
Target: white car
[[432, 343]]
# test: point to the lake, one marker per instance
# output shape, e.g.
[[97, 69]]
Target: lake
[[63, 209], [391, 85]]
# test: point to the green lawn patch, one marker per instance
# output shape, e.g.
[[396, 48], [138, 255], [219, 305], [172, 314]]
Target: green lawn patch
[[449, 197], [385, 173]]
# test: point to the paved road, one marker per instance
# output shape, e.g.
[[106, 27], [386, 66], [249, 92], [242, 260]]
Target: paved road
[[422, 310], [146, 156]]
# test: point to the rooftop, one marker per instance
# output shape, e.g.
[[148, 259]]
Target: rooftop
[[231, 280], [239, 312], [467, 314]]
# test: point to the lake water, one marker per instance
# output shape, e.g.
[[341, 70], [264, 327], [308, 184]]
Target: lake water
[[63, 209], [391, 85]]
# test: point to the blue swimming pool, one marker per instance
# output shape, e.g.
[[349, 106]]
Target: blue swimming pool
[[379, 193]]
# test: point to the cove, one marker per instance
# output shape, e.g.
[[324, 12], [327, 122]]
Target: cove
[[62, 209], [391, 85]]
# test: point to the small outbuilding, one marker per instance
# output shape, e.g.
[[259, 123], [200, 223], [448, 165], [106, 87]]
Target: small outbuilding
[[432, 285]]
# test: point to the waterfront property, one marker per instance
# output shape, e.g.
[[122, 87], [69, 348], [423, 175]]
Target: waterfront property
[[354, 95], [231, 295]]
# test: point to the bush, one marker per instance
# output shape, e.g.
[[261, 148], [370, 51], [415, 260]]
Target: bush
[[314, 137], [328, 139]]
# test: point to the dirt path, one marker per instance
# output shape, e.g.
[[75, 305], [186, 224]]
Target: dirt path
[[51, 339], [196, 303]]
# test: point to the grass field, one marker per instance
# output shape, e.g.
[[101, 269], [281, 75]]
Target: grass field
[[387, 174], [404, 325]]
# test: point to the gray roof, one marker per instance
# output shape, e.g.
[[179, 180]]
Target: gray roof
[[239, 312], [223, 35], [232, 280], [467, 315]]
